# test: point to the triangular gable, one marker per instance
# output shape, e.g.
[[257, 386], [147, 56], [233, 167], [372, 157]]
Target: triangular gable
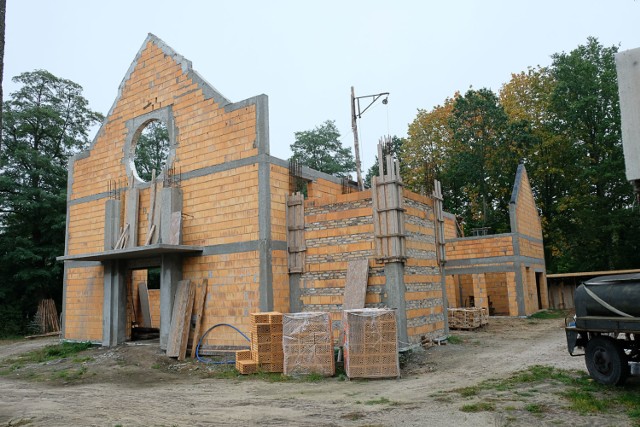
[[523, 212]]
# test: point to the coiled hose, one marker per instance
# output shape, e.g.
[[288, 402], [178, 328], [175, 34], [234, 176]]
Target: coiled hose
[[213, 362]]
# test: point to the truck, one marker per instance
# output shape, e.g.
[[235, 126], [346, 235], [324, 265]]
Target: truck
[[607, 327], [607, 320]]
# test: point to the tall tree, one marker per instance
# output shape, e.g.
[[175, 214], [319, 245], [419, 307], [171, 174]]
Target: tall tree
[[483, 160], [425, 152], [321, 149], [549, 156], [3, 15], [598, 225], [45, 121]]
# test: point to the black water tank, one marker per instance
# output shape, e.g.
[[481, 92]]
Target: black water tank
[[621, 292]]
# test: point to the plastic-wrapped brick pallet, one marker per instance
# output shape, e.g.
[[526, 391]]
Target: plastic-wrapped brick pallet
[[308, 344], [370, 343]]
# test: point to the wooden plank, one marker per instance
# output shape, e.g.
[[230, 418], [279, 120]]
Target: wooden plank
[[175, 228], [145, 309], [186, 328], [198, 309], [355, 289], [179, 321]]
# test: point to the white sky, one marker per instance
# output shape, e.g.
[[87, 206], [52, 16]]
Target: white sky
[[306, 55]]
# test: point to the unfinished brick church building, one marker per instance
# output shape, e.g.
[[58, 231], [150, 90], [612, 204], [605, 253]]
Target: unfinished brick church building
[[223, 209]]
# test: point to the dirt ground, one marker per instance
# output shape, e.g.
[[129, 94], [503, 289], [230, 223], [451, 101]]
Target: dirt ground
[[137, 385]]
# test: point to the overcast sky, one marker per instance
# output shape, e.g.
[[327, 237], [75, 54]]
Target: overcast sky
[[306, 55]]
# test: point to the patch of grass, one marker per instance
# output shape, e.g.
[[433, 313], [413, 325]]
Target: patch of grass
[[550, 314], [70, 374], [380, 401], [479, 407], [156, 366], [313, 377], [53, 352], [535, 408], [82, 359], [585, 402], [468, 391], [454, 339]]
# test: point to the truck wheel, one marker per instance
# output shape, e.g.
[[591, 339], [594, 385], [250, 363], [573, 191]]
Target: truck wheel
[[606, 361]]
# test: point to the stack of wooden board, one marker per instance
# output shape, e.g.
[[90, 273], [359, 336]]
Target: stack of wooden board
[[189, 299], [308, 344], [266, 345], [370, 343], [467, 318]]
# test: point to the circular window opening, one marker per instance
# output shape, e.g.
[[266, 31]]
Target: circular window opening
[[152, 150]]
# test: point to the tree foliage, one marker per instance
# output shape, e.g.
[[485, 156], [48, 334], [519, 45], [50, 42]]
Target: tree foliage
[[563, 122], [45, 121], [152, 149], [321, 149]]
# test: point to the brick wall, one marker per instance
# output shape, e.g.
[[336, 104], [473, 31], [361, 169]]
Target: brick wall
[[424, 299], [83, 304]]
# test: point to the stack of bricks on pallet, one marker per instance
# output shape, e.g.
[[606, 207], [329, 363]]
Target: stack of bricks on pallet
[[467, 318], [308, 344], [370, 343], [266, 345]]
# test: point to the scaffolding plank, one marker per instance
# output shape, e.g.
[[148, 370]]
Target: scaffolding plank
[[198, 309]]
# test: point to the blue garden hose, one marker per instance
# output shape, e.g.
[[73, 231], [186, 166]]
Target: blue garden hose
[[212, 362]]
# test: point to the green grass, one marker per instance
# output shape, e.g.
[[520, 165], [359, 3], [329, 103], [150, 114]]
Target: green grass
[[54, 352], [381, 401], [550, 314], [535, 408], [454, 339], [583, 395], [70, 374]]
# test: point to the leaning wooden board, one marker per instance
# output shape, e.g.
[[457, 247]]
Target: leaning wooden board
[[180, 319], [201, 295]]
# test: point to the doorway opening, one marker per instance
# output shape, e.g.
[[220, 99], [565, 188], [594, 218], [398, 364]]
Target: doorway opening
[[143, 304]]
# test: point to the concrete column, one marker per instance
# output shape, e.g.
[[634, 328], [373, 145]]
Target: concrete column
[[111, 223], [295, 304], [133, 198], [395, 297], [171, 202], [170, 275], [114, 314]]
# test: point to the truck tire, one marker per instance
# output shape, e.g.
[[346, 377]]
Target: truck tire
[[606, 361]]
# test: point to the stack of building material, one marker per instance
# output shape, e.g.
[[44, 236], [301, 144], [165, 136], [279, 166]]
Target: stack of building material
[[370, 343], [308, 344], [467, 318], [266, 345]]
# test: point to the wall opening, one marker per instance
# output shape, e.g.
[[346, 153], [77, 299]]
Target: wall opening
[[497, 293], [143, 303], [151, 149]]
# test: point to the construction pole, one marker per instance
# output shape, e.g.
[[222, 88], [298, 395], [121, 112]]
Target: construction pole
[[356, 144]]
